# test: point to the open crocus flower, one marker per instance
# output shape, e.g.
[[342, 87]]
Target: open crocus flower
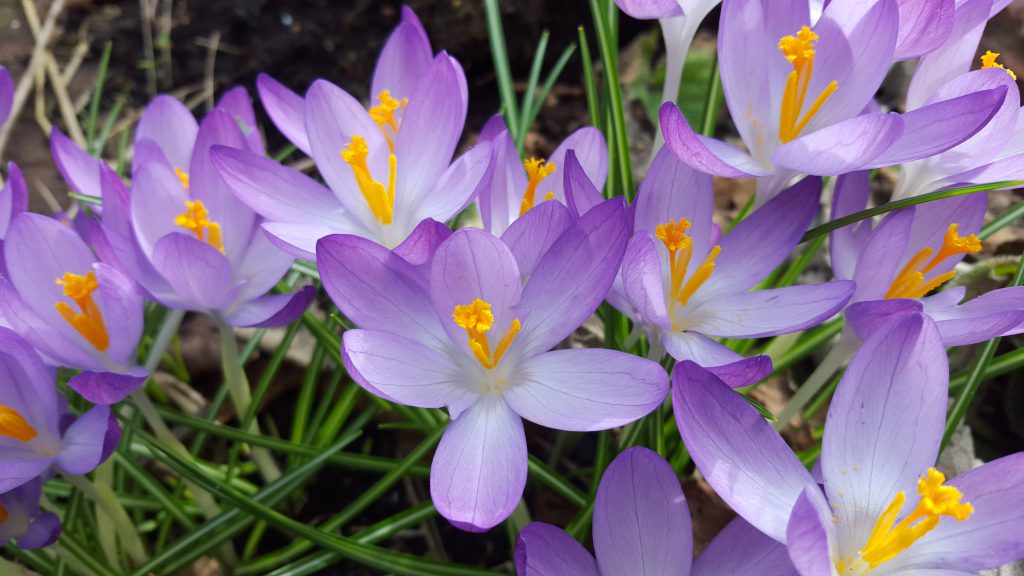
[[884, 509], [475, 336], [181, 233], [798, 94], [912, 253], [516, 185], [21, 519], [642, 526], [686, 282], [79, 313], [35, 432]]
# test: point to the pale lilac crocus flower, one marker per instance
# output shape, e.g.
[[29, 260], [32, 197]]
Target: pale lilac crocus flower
[[22, 521], [180, 233], [687, 283], [884, 509], [475, 336], [78, 312], [36, 434], [799, 94], [516, 186], [642, 526]]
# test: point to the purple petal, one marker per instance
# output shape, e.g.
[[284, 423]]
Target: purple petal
[[262, 267], [81, 450], [650, 9], [297, 238], [404, 58], [492, 129], [273, 310], [842, 147], [500, 199], [886, 246], [80, 171], [13, 197], [591, 152], [673, 190], [866, 318], [581, 193], [543, 550], [18, 471], [770, 312], [122, 308], [532, 235], [586, 389], [847, 243], [168, 123], [871, 449], [198, 272], [995, 313], [726, 365], [106, 388], [924, 26], [287, 110], [479, 469], [6, 94], [419, 247], [953, 58], [157, 197], [747, 463], [641, 521], [403, 370], [572, 279], [42, 532], [740, 550], [642, 280], [237, 103], [810, 535], [59, 342], [27, 384], [460, 184], [702, 153]]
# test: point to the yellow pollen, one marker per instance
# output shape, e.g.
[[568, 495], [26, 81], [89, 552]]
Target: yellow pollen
[[196, 219], [799, 50], [680, 251], [384, 115], [988, 60], [536, 170], [477, 318], [89, 321], [381, 200], [889, 539], [3, 514], [182, 176], [911, 281], [14, 425]]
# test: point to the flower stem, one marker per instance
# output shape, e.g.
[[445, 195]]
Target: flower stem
[[106, 502], [840, 353]]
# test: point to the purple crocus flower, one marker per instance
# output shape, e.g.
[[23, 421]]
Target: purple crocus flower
[[642, 526], [516, 186], [686, 282], [475, 336], [388, 168], [181, 233], [13, 201], [884, 510], [21, 519], [77, 312], [35, 432], [802, 111], [6, 95]]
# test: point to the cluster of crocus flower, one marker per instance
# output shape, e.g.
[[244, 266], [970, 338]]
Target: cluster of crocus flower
[[474, 320]]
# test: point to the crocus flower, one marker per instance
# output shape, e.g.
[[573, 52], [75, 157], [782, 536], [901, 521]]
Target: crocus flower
[[35, 433], [21, 519], [516, 186], [798, 94], [181, 233], [388, 167], [642, 526], [686, 283], [13, 201], [475, 336], [6, 95], [884, 510], [77, 312]]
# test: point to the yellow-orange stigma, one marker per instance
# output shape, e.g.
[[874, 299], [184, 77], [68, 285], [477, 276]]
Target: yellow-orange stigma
[[680, 251], [89, 320], [799, 50], [536, 170], [477, 319], [384, 115], [988, 60], [182, 177], [911, 281], [381, 200], [196, 219], [14, 425]]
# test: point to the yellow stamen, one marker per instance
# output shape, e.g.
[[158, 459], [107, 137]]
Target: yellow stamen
[[14, 425], [196, 219], [477, 318], [182, 176], [799, 50], [911, 281], [381, 200], [89, 322], [680, 251], [889, 539], [536, 170], [384, 115], [988, 60]]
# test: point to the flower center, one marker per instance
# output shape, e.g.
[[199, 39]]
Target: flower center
[[680, 251], [889, 539], [536, 170], [384, 115], [988, 60], [196, 219], [14, 425], [911, 282], [381, 200], [799, 50], [182, 176], [477, 318], [89, 321]]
